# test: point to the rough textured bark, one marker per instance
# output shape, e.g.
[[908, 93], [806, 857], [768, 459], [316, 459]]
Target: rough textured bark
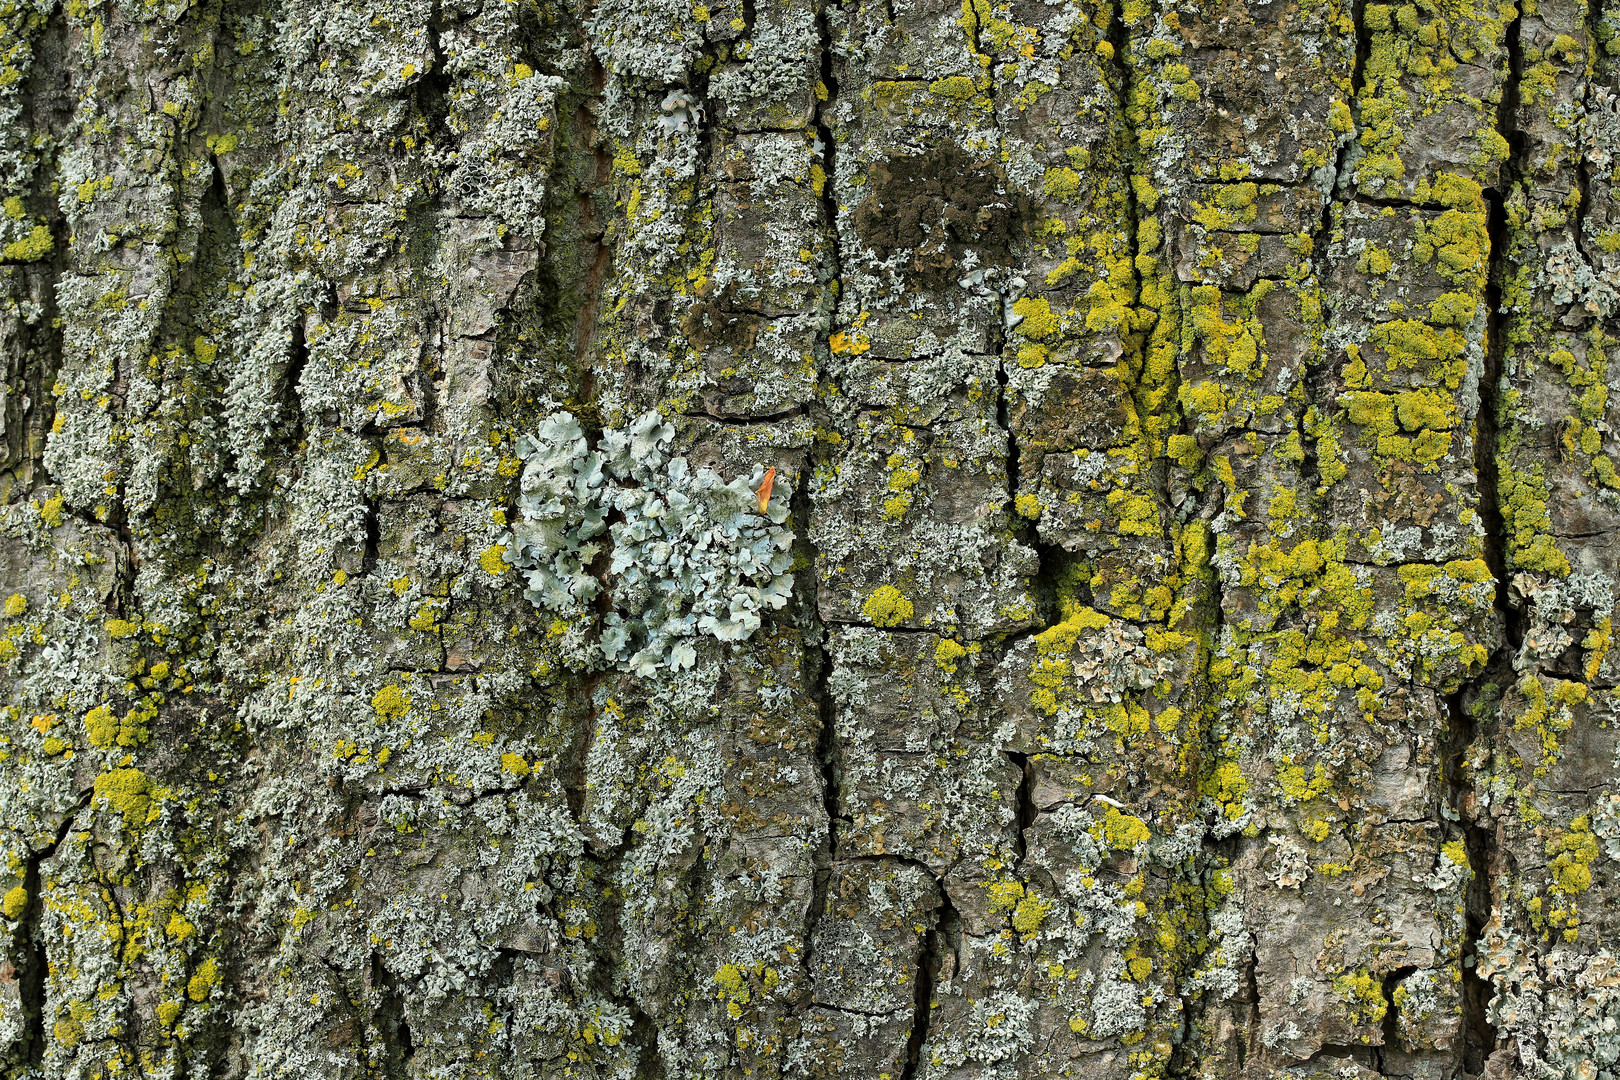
[[1176, 638]]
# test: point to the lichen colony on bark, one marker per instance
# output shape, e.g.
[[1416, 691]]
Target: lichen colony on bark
[[921, 540]]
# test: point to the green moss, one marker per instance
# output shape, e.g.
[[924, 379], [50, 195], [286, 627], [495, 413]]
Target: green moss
[[1032, 356], [1458, 243], [1569, 872], [1453, 309], [903, 478], [1548, 715], [1340, 118], [1427, 413], [1183, 449], [51, 511], [1004, 895], [1234, 345], [1573, 853], [1294, 785], [1524, 512], [1204, 399], [1062, 637], [1227, 785]]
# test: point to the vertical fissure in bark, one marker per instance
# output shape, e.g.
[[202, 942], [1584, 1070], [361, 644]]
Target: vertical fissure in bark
[[976, 45], [1358, 68], [820, 659], [1216, 853], [1488, 417], [1023, 801], [827, 760], [31, 960], [1136, 337], [392, 1025], [433, 88], [1025, 529], [817, 675], [35, 962], [644, 1035], [431, 360], [1336, 194], [1583, 169], [1004, 418], [1251, 991], [576, 780], [713, 115], [373, 537], [593, 232], [829, 151], [1119, 39], [1358, 83], [827, 755], [1479, 1037], [930, 963], [297, 361], [1390, 1027], [50, 109], [432, 96], [577, 772], [1340, 178]]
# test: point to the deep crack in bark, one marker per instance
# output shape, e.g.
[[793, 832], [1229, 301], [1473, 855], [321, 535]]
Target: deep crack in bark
[[1023, 801], [817, 673], [930, 962], [1478, 1038], [1390, 1026], [829, 153], [30, 958]]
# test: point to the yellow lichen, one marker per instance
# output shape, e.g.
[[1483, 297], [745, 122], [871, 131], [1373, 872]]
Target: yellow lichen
[[887, 606], [390, 703]]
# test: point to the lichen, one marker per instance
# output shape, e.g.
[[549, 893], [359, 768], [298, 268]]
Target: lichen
[[692, 554]]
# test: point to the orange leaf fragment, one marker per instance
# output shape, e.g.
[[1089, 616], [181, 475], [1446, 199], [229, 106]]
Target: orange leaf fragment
[[765, 489]]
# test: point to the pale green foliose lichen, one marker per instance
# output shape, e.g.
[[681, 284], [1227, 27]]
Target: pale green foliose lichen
[[691, 553]]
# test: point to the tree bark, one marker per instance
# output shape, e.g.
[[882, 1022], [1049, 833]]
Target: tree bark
[[656, 540]]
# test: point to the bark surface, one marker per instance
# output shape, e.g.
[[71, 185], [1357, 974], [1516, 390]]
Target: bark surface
[[1176, 638]]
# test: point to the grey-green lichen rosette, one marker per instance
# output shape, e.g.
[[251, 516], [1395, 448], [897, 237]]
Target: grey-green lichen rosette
[[691, 553]]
